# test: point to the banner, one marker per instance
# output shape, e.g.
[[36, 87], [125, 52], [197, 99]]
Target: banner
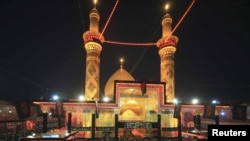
[[239, 112], [209, 111], [177, 111], [59, 109], [96, 109], [52, 112], [23, 108], [39, 111], [143, 88]]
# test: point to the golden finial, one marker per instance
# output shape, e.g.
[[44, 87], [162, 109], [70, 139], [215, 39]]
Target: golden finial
[[167, 7], [121, 61], [95, 1]]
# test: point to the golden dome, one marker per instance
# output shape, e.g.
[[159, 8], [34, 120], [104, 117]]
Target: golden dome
[[120, 74]]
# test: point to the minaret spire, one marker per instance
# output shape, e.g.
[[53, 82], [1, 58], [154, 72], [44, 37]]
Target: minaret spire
[[93, 46], [167, 48], [166, 24]]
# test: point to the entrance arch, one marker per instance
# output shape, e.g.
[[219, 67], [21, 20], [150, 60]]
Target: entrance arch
[[132, 111]]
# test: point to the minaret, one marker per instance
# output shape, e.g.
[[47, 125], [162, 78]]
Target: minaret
[[167, 49], [93, 45]]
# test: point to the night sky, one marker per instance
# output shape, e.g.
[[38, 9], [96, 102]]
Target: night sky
[[41, 46]]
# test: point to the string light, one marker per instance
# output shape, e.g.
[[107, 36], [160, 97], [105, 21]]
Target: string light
[[112, 12], [146, 44], [130, 44], [183, 16], [181, 19]]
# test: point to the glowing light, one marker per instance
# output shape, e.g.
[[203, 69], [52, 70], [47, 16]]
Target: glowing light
[[81, 98], [55, 97], [95, 1], [222, 113], [30, 136], [175, 101], [121, 60], [167, 6], [215, 102], [195, 101], [105, 99]]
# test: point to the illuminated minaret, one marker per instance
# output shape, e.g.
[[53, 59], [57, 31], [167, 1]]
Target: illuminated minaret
[[167, 49], [93, 45]]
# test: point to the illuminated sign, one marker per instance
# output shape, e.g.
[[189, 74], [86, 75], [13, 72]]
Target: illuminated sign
[[51, 135], [138, 125]]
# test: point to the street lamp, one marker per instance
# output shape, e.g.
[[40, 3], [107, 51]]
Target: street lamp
[[195, 101], [215, 102], [81, 98], [55, 97], [175, 101], [105, 99]]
